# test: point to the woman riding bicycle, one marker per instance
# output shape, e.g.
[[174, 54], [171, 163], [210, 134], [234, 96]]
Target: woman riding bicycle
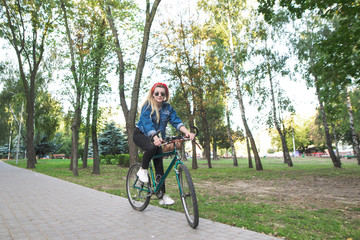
[[156, 112]]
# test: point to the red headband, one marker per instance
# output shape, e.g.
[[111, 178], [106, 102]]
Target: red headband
[[160, 84]]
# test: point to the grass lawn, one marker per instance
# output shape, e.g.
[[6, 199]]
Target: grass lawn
[[312, 200]]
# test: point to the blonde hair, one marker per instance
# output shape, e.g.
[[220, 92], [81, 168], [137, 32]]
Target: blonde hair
[[151, 102]]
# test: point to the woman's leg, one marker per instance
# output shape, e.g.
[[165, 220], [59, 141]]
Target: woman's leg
[[145, 144], [159, 168]]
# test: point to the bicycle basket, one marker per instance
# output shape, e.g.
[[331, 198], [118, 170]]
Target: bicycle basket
[[171, 146]]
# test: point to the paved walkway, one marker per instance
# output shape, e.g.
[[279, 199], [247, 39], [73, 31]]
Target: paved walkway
[[36, 206]]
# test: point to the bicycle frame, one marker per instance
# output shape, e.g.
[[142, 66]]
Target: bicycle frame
[[154, 188]]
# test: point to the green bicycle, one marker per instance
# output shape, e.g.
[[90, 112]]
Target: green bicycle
[[139, 193]]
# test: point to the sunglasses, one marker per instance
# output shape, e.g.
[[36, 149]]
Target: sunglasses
[[160, 93]]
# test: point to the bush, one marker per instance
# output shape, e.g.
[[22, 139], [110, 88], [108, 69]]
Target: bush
[[120, 159], [270, 151], [108, 158]]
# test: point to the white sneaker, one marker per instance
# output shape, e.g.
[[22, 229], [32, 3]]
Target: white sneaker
[[143, 175], [166, 200]]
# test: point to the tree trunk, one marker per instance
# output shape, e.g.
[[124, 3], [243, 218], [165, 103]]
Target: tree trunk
[[10, 142], [207, 148], [77, 115], [96, 159], [86, 149], [99, 55], [286, 154], [247, 129], [130, 115], [30, 109], [215, 155], [335, 160], [133, 149], [183, 153], [355, 142], [249, 152], [75, 136], [287, 158], [228, 129], [241, 104], [191, 115], [233, 151], [87, 132], [336, 142], [194, 164]]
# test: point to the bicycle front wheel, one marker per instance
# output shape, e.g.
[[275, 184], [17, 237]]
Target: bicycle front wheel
[[188, 196], [137, 191]]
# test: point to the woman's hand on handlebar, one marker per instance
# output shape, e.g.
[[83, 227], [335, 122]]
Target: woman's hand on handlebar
[[157, 140], [187, 133], [190, 135]]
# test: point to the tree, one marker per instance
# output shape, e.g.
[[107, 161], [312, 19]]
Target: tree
[[26, 25], [194, 71], [311, 56], [228, 19], [112, 141], [98, 55], [130, 113], [87, 53], [269, 65], [343, 106], [226, 93], [354, 137], [77, 70], [180, 51]]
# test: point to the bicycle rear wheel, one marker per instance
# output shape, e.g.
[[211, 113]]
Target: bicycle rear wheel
[[137, 191], [188, 196]]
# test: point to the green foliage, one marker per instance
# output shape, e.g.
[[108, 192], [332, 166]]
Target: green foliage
[[112, 141], [63, 143], [270, 151], [341, 45], [4, 150], [47, 117], [11, 99], [45, 148], [118, 159], [306, 132]]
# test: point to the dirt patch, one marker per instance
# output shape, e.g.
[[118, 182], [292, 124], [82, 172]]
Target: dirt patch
[[309, 193]]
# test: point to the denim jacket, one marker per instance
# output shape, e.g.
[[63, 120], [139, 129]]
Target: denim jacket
[[149, 126]]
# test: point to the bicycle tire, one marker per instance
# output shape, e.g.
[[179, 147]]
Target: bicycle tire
[[188, 196], [138, 198]]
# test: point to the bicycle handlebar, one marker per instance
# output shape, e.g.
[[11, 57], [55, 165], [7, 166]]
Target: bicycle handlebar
[[168, 140]]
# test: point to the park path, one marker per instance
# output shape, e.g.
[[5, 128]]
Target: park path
[[37, 206]]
